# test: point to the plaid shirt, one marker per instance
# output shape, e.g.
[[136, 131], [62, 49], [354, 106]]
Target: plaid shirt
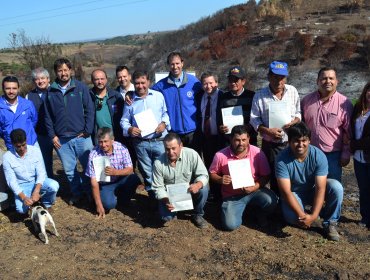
[[260, 107], [119, 159]]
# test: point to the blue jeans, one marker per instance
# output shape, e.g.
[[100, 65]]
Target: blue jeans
[[199, 200], [331, 210], [122, 190], [46, 147], [335, 169], [48, 194], [147, 152], [234, 206], [362, 171], [74, 148]]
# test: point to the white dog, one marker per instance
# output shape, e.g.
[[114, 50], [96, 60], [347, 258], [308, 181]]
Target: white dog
[[40, 218]]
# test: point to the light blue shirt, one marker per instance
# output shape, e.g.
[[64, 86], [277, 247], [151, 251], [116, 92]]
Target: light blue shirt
[[28, 169], [154, 100], [178, 81]]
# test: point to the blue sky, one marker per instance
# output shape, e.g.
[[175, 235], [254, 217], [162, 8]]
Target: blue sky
[[72, 20]]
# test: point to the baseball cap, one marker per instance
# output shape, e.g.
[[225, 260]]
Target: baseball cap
[[279, 68], [236, 71]]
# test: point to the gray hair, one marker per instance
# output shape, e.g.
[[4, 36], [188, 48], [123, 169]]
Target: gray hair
[[39, 72], [105, 131]]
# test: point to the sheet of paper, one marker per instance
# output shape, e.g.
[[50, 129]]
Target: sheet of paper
[[99, 166], [241, 173], [146, 122], [232, 116], [180, 197], [278, 114]]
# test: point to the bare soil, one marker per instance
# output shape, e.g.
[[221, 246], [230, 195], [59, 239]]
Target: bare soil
[[130, 243]]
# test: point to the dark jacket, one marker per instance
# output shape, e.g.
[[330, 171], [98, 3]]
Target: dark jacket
[[245, 100], [115, 105], [70, 114], [364, 142], [35, 98]]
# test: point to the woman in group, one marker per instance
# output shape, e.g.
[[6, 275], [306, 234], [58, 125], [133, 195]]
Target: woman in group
[[360, 146]]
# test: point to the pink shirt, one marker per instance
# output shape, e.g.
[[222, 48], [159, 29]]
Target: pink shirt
[[259, 166], [329, 122]]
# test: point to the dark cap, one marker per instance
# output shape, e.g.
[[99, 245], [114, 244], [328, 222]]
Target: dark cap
[[236, 71]]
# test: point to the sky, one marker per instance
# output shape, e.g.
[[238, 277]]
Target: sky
[[78, 20]]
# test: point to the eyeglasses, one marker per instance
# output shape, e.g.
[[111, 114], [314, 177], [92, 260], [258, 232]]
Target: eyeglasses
[[99, 103]]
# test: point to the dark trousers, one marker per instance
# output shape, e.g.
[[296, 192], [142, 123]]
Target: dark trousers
[[271, 151], [210, 146], [191, 140]]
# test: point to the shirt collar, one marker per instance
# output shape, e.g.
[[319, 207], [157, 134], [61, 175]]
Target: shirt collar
[[9, 104], [232, 155]]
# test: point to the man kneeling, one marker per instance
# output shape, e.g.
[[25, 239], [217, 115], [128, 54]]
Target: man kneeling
[[235, 200], [301, 171], [123, 182], [25, 174]]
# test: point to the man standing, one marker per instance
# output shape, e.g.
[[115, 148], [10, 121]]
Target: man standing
[[16, 112], [179, 90], [25, 174], [70, 121], [207, 108], [274, 139], [123, 182], [41, 79], [108, 104], [235, 200], [180, 165], [301, 172], [124, 80], [327, 113], [236, 96], [148, 147]]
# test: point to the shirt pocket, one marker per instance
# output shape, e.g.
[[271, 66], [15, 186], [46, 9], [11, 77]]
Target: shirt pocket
[[332, 121], [187, 176]]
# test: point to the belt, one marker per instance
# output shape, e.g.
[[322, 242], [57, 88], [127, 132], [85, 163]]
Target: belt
[[150, 140]]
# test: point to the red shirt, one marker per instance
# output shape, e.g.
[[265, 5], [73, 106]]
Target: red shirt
[[219, 166]]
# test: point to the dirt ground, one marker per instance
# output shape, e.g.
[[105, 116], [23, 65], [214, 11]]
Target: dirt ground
[[131, 244]]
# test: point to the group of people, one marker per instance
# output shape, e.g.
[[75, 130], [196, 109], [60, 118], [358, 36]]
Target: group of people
[[299, 163]]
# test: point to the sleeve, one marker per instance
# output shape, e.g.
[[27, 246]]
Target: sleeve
[[10, 176], [158, 181], [40, 166], [199, 170], [165, 118], [126, 120], [297, 105], [34, 116], [348, 109], [215, 166], [90, 171], [255, 116], [48, 120], [281, 169], [322, 166], [89, 110]]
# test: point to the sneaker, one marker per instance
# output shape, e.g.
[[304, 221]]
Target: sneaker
[[331, 232], [199, 221], [262, 220]]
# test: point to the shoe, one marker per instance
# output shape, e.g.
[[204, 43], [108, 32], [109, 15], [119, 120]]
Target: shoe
[[261, 220], [199, 221], [331, 232], [75, 200]]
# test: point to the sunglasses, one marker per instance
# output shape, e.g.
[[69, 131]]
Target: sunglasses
[[99, 103]]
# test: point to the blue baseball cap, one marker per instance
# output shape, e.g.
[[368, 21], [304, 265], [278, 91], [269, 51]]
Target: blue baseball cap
[[279, 68]]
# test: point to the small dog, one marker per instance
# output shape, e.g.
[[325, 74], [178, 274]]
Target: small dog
[[40, 218]]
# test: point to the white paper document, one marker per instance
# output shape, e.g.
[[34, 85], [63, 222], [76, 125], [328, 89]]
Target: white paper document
[[232, 116], [180, 197], [99, 166], [146, 122], [278, 114], [241, 173]]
